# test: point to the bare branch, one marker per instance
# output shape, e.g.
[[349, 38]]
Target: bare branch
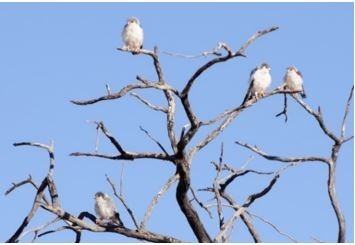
[[154, 56], [195, 124], [318, 116], [273, 226], [203, 54], [112, 96], [16, 185], [348, 139], [35, 206], [342, 134], [253, 232], [216, 190], [88, 154], [230, 178], [316, 239], [123, 92], [229, 116], [150, 105], [121, 180], [121, 198], [183, 170], [170, 119], [155, 199], [199, 202], [335, 203], [230, 55], [244, 218], [43, 146], [27, 181], [50, 149], [55, 230], [128, 156], [168, 92], [254, 37], [228, 226], [108, 89], [256, 196], [221, 236], [282, 159], [111, 138], [38, 229], [151, 137], [141, 235], [284, 112]]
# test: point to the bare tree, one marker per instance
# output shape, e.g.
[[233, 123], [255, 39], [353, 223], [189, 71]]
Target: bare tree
[[181, 158]]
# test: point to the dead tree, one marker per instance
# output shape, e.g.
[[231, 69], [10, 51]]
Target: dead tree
[[181, 158]]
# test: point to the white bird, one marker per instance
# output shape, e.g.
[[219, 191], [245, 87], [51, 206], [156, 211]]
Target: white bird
[[105, 208], [293, 80], [260, 80], [132, 36]]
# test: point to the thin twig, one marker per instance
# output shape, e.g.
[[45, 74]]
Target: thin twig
[[284, 112], [152, 138], [155, 199], [150, 105], [39, 228], [272, 225], [216, 189], [121, 179], [121, 198], [346, 112], [282, 159], [200, 203], [203, 54], [318, 116]]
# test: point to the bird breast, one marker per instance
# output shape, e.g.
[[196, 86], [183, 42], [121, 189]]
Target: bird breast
[[293, 81], [262, 80], [104, 209], [133, 36]]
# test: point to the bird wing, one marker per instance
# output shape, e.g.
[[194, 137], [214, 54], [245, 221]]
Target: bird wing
[[110, 204], [116, 216], [299, 73], [303, 93], [97, 209], [124, 30], [251, 84]]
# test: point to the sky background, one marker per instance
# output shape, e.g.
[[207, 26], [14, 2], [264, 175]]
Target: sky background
[[52, 53]]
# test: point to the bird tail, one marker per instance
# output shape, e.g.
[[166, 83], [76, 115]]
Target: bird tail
[[246, 98], [117, 219], [303, 94]]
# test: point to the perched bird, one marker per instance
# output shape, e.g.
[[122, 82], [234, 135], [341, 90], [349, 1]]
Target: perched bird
[[293, 80], [105, 209], [260, 80], [132, 35]]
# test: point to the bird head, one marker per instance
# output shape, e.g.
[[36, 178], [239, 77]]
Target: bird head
[[99, 195], [133, 20], [265, 66], [292, 68]]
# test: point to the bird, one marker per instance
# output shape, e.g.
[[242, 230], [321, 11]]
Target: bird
[[260, 80], [105, 208], [132, 35], [293, 80]]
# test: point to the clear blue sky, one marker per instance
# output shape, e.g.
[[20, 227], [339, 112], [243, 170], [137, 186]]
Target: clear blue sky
[[52, 53]]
